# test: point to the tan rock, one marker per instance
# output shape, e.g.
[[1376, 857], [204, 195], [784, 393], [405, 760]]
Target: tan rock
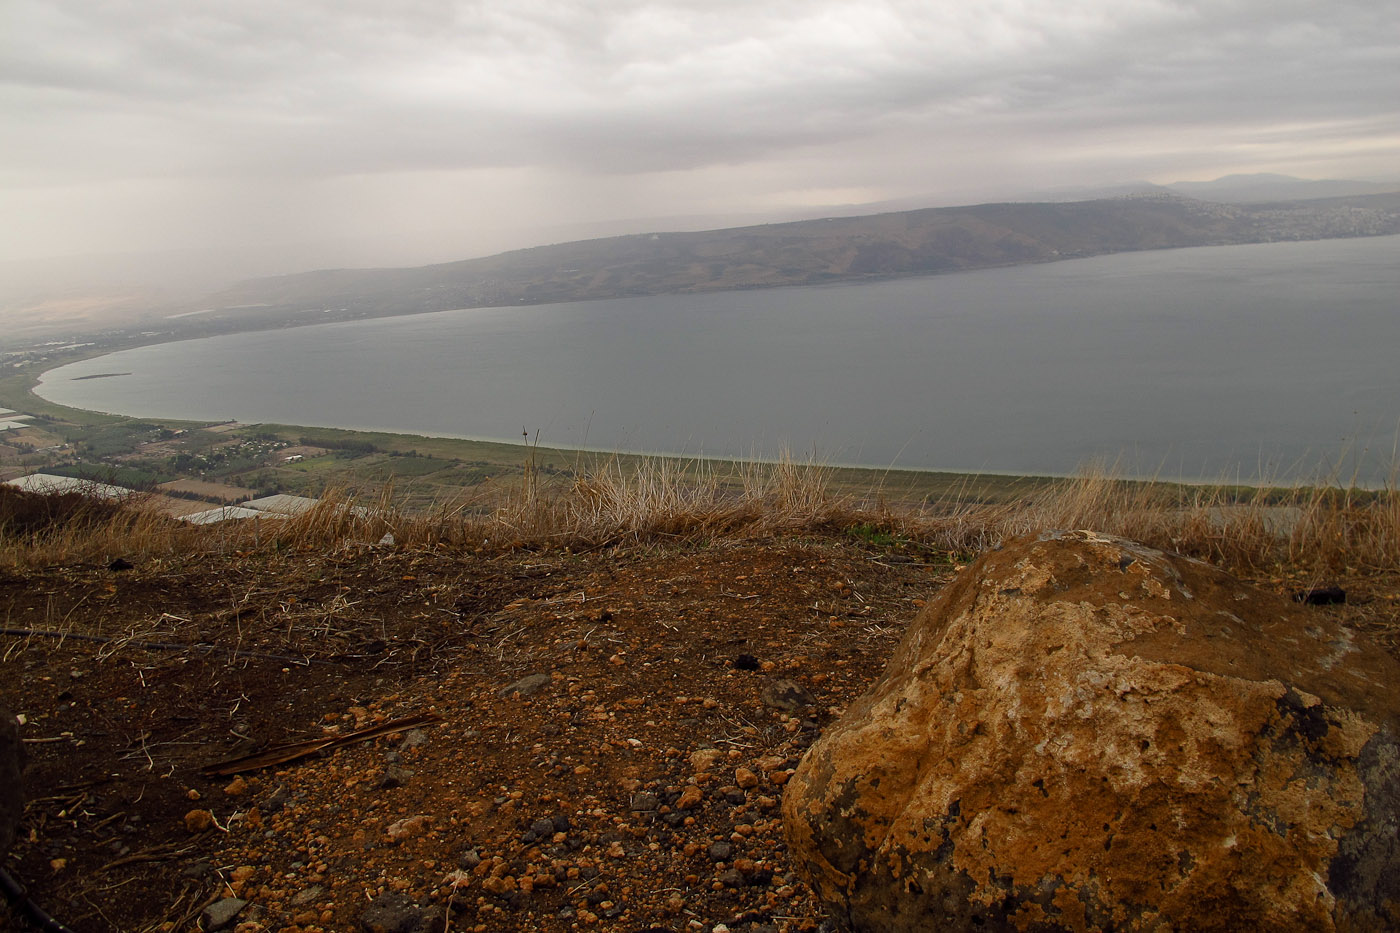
[[408, 827], [690, 798], [745, 778], [1082, 733], [197, 821]]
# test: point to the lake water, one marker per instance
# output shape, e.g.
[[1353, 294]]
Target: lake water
[[1239, 361]]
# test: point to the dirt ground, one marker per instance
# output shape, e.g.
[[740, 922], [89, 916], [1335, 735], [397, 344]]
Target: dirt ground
[[630, 781], [637, 787]]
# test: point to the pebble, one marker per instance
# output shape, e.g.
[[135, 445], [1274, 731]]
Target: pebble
[[407, 828], [197, 821], [526, 686], [788, 695], [745, 778], [221, 913], [391, 913], [394, 776]]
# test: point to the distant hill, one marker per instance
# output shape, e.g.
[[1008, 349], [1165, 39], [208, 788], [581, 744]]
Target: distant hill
[[1264, 187], [806, 252]]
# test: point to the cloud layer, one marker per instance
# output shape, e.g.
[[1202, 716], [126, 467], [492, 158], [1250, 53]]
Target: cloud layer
[[322, 116]]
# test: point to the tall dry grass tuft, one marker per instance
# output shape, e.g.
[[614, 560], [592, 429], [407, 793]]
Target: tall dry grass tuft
[[1316, 529]]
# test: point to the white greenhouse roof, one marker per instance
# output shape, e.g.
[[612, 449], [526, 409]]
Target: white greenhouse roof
[[48, 483]]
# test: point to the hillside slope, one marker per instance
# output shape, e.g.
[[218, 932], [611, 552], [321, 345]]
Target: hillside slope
[[811, 252]]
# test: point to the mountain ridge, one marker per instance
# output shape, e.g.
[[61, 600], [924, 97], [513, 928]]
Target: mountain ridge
[[808, 252]]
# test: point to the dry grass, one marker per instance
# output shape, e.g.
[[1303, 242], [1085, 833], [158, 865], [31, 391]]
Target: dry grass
[[1312, 529]]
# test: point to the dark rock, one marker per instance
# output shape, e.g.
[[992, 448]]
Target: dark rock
[[392, 913], [1085, 733], [526, 686], [720, 851], [786, 695], [540, 829], [469, 859], [562, 823], [645, 801], [275, 802], [746, 662], [731, 878], [1321, 596], [121, 563], [394, 776], [221, 913]]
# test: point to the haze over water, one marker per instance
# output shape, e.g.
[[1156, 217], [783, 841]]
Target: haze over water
[[1242, 361]]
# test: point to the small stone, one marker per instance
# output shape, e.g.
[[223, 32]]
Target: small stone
[[704, 759], [197, 821], [720, 852], [302, 898], [745, 778], [469, 859], [690, 798], [394, 776], [526, 686], [787, 695], [413, 738], [235, 787], [407, 828], [540, 829], [391, 913], [746, 662], [221, 913], [645, 802]]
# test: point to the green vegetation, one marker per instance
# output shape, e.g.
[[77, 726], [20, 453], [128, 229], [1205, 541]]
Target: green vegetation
[[130, 477]]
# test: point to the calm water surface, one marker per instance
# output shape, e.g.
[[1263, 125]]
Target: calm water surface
[[1241, 360]]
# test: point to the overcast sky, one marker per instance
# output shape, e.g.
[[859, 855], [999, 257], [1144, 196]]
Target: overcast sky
[[424, 130]]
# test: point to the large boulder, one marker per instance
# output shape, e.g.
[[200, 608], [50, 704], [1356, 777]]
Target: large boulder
[[11, 765], [1082, 733]]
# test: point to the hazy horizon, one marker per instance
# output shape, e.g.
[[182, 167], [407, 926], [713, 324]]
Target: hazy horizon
[[340, 134]]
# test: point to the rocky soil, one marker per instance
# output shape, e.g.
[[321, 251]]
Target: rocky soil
[[605, 742]]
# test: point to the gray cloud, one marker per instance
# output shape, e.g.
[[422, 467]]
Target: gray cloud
[[675, 104]]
